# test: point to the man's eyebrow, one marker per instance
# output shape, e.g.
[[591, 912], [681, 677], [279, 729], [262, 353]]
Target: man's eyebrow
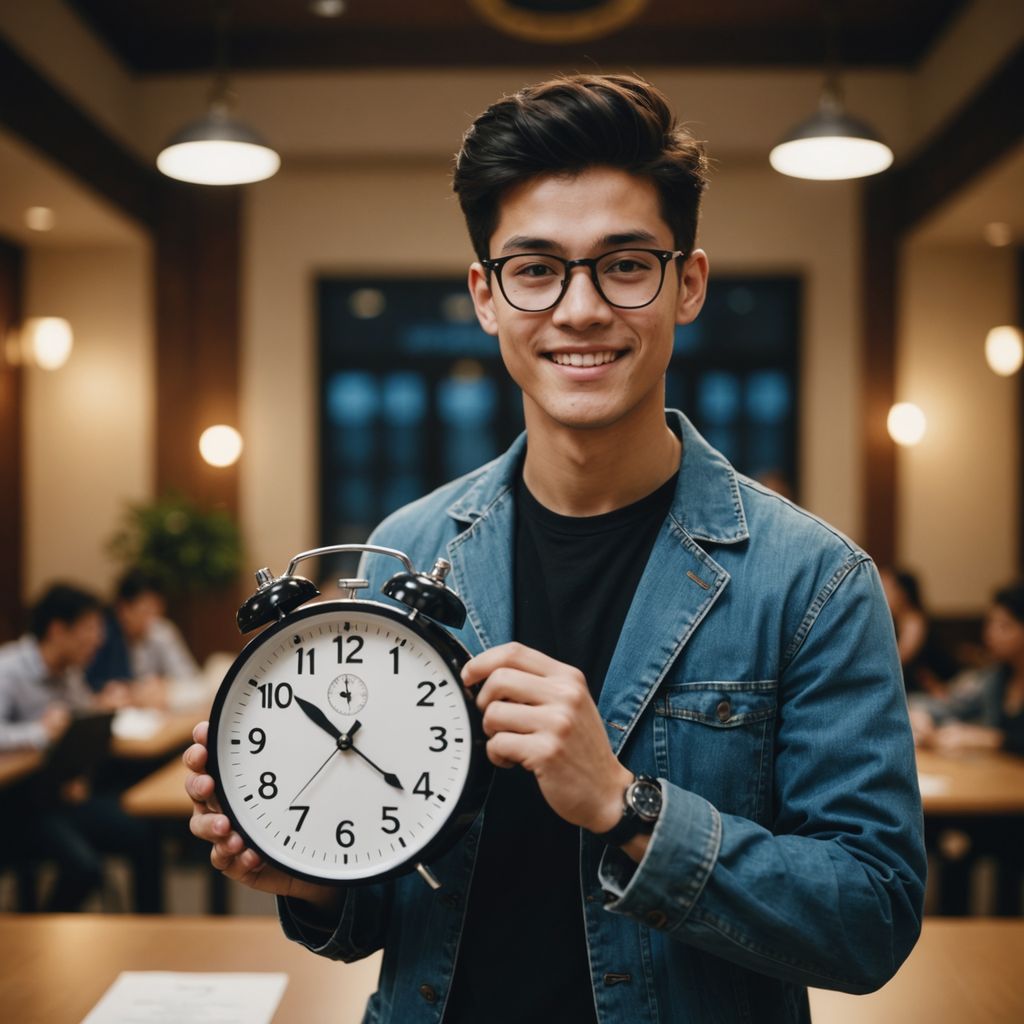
[[531, 243], [627, 238], [528, 243]]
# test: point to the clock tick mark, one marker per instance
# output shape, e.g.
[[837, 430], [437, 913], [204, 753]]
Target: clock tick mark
[[248, 798]]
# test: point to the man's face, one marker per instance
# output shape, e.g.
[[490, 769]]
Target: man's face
[[1004, 634], [76, 643], [137, 615], [586, 215]]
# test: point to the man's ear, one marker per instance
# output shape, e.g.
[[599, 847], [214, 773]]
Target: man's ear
[[693, 287], [483, 298]]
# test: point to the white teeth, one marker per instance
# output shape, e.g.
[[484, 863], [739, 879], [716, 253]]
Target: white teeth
[[583, 358]]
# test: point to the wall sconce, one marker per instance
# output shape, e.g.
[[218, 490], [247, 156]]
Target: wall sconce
[[906, 424], [220, 445], [44, 341], [1004, 350]]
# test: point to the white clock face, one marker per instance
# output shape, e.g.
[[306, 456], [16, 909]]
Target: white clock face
[[343, 744]]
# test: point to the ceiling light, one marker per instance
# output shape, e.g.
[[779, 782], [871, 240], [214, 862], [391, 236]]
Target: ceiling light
[[218, 149], [831, 146], [327, 8], [40, 218]]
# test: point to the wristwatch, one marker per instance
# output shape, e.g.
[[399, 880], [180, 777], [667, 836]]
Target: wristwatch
[[641, 805]]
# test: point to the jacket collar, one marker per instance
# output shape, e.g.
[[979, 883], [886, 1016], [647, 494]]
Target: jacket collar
[[707, 503]]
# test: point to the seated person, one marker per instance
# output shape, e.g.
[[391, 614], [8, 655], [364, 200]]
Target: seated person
[[926, 666], [143, 660], [42, 683], [985, 709]]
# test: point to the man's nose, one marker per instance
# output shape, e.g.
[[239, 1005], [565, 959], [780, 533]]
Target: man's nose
[[582, 304]]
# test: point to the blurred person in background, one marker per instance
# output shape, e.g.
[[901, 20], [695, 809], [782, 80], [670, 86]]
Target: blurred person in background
[[42, 684], [144, 660], [926, 666], [985, 707]]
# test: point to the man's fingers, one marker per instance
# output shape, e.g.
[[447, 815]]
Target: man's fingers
[[513, 655], [512, 684], [201, 732], [503, 716], [194, 757]]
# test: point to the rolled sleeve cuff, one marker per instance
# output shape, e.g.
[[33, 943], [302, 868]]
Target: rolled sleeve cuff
[[661, 890], [303, 928]]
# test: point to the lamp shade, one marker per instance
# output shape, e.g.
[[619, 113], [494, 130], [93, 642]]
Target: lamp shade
[[831, 146], [218, 150]]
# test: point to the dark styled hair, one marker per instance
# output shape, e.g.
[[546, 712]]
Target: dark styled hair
[[136, 582], [61, 603], [1012, 599], [570, 123]]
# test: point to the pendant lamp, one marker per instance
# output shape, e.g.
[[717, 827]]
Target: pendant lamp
[[831, 145], [218, 149]]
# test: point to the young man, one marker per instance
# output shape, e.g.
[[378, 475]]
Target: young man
[[635, 608], [144, 654]]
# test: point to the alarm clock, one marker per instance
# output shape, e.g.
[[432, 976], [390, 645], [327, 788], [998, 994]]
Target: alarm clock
[[342, 742]]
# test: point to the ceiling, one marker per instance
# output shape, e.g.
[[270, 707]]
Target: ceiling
[[161, 36]]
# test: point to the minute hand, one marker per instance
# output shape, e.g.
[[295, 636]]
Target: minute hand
[[317, 717]]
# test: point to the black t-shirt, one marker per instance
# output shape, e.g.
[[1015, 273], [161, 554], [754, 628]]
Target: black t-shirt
[[523, 953]]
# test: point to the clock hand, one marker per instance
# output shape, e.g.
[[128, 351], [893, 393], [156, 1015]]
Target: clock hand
[[317, 717], [345, 743], [315, 774]]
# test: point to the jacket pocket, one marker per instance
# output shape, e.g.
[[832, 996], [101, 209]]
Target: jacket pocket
[[715, 739]]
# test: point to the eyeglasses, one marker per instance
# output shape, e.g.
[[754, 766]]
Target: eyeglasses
[[533, 282]]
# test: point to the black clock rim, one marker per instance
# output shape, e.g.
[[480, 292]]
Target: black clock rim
[[478, 777]]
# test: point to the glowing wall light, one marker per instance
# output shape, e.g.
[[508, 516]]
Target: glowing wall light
[[1004, 350], [220, 445], [906, 424]]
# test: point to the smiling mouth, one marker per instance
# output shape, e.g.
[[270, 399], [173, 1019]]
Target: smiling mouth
[[582, 358]]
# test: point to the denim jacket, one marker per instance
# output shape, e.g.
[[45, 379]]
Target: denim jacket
[[757, 677]]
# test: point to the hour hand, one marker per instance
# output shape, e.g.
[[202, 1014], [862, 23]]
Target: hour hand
[[317, 717]]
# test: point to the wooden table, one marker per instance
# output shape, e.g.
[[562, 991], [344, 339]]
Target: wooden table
[[160, 795], [963, 971], [56, 967], [175, 733], [971, 784]]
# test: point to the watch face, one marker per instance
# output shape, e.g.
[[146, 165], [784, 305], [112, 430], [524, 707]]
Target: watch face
[[342, 742], [645, 798]]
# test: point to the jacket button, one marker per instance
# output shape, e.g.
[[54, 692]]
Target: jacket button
[[429, 993], [723, 711], [656, 919]]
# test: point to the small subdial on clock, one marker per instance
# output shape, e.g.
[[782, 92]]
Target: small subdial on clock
[[347, 694]]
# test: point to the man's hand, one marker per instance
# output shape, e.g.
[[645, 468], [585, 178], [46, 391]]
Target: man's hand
[[230, 854], [539, 714]]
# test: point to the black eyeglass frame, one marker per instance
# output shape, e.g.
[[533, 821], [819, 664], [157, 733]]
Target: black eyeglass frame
[[664, 256]]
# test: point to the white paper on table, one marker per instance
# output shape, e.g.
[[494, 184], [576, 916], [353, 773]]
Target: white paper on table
[[137, 723], [170, 997], [933, 785]]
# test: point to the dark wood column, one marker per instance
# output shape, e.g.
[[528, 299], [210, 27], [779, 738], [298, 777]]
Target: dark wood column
[[197, 311], [12, 531]]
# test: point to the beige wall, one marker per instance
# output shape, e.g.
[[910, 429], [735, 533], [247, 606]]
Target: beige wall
[[89, 425], [357, 219], [957, 502]]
